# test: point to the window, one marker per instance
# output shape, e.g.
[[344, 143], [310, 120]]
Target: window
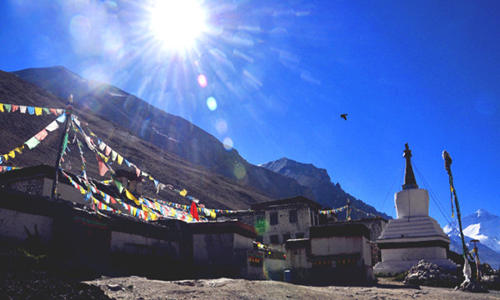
[[286, 237], [292, 216], [299, 235], [275, 239], [260, 217], [260, 239], [273, 218]]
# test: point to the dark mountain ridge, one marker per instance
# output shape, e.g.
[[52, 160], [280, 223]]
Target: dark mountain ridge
[[324, 190], [215, 190], [169, 133]]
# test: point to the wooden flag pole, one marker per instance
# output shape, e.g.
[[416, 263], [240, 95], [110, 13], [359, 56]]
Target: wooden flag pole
[[64, 140]]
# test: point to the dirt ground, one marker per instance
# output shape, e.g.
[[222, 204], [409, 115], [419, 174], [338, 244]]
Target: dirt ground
[[224, 288]]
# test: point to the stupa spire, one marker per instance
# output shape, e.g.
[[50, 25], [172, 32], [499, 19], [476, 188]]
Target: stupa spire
[[410, 181]]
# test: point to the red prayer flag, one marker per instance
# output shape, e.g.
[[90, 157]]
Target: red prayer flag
[[103, 169], [194, 211], [41, 135]]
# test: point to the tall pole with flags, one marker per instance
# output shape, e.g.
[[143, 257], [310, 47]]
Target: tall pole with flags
[[62, 145], [447, 166]]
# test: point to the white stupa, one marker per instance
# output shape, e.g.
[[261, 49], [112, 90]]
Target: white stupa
[[413, 235]]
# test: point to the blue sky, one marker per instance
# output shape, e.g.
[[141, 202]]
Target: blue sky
[[281, 73]]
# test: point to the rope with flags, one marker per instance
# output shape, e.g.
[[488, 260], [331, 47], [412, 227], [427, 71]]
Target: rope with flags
[[34, 141], [146, 209], [30, 110]]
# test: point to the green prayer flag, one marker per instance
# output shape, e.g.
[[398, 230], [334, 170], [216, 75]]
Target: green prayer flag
[[32, 143], [65, 143], [7, 107], [119, 186], [46, 110]]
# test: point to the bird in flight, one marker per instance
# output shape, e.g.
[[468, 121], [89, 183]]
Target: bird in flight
[[344, 116]]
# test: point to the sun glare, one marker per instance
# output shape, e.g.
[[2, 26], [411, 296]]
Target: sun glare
[[177, 24]]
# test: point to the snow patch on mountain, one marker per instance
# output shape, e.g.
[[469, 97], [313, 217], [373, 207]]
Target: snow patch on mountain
[[480, 225], [473, 231]]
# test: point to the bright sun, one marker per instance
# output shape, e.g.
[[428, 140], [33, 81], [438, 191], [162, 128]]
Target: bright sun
[[176, 24]]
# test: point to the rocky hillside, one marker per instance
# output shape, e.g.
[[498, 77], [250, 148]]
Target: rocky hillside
[[214, 189], [325, 192], [169, 133]]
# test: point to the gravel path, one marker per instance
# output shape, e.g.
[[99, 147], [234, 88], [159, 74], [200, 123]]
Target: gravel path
[[223, 288]]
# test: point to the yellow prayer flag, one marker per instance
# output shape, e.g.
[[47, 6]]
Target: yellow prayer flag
[[12, 154], [18, 150], [38, 111], [212, 214], [5, 157], [151, 178], [154, 217], [1, 107], [120, 159], [183, 193], [132, 197], [82, 191]]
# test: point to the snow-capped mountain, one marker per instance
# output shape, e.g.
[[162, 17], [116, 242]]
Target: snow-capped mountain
[[482, 226]]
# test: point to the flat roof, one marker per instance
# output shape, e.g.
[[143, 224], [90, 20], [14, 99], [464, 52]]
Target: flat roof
[[342, 229], [286, 201]]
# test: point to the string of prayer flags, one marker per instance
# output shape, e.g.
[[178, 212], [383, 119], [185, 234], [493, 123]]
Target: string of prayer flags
[[32, 110], [109, 153], [31, 143], [332, 211], [8, 168]]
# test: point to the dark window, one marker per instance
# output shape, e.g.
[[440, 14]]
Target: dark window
[[275, 239], [260, 216], [260, 239], [293, 216], [286, 236], [273, 218], [299, 235]]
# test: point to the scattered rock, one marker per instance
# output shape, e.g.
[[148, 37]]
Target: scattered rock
[[429, 274]]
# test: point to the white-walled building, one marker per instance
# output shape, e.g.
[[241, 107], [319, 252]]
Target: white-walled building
[[280, 220]]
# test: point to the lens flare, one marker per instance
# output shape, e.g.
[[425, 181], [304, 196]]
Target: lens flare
[[228, 143], [202, 80], [221, 126], [211, 103]]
